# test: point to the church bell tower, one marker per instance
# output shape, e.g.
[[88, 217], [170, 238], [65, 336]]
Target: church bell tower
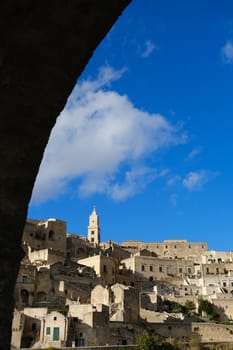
[[93, 233]]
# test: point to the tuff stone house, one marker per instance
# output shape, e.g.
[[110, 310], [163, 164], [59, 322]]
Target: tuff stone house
[[75, 290], [104, 266], [45, 234], [153, 268], [169, 248]]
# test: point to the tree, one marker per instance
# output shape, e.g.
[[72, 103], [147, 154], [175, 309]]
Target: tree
[[150, 341], [208, 308], [189, 307], [205, 306]]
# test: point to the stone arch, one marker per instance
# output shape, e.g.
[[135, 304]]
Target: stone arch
[[53, 41], [41, 297], [24, 295]]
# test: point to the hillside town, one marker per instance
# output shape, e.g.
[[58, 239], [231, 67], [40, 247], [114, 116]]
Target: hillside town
[[75, 291]]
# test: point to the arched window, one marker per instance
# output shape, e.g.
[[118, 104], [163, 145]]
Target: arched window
[[51, 235], [24, 297], [41, 296]]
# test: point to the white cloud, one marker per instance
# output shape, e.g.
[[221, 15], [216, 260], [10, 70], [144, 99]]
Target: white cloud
[[99, 134], [227, 52], [195, 152], [195, 180], [173, 199], [173, 180], [135, 181], [149, 48]]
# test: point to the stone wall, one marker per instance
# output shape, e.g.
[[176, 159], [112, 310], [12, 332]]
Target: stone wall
[[208, 332], [169, 248], [153, 268]]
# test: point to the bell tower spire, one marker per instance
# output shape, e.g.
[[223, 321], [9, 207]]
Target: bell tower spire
[[93, 231]]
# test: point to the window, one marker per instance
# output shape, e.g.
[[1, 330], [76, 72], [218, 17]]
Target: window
[[48, 331], [143, 268], [56, 333], [51, 235], [207, 270], [217, 270], [151, 268], [92, 239], [92, 232], [160, 268], [104, 268], [55, 318], [189, 270], [79, 342], [24, 297], [232, 284], [224, 284], [180, 270], [33, 326], [24, 278]]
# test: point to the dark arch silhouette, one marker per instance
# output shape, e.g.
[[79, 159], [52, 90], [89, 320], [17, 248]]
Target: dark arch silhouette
[[44, 46]]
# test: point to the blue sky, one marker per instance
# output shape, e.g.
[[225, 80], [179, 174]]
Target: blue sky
[[146, 135]]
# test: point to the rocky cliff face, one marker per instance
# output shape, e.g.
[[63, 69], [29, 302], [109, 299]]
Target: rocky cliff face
[[44, 46]]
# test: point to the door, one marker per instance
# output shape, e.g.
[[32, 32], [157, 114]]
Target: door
[[56, 333]]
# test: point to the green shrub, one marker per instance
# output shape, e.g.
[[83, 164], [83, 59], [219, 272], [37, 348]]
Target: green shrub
[[156, 342]]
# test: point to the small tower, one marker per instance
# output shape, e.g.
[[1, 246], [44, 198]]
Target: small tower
[[93, 233]]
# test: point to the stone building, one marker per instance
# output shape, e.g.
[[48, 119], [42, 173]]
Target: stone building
[[152, 268], [93, 233], [54, 330], [213, 284], [114, 250], [73, 291], [25, 286], [45, 257], [17, 328], [125, 305], [101, 295], [45, 234], [104, 267], [213, 256], [89, 324], [123, 302], [37, 327], [169, 248], [79, 247]]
